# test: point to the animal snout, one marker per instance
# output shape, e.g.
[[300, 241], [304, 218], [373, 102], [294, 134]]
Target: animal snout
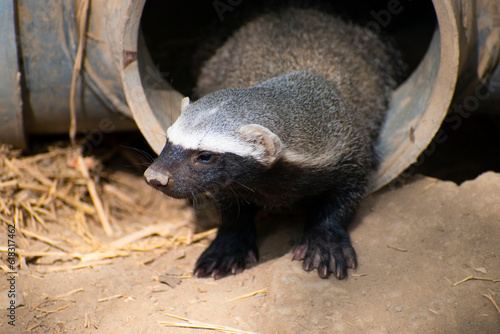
[[156, 179]]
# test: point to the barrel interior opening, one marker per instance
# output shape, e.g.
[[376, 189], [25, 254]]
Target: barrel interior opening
[[180, 35], [463, 153]]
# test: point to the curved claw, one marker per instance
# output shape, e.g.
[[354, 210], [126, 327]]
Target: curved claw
[[218, 264], [326, 256]]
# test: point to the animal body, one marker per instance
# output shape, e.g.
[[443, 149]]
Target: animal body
[[289, 111]]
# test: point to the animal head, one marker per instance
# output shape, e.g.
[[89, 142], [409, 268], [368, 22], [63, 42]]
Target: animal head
[[213, 144]]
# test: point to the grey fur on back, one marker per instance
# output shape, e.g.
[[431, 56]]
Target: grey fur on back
[[352, 58], [306, 111], [289, 113]]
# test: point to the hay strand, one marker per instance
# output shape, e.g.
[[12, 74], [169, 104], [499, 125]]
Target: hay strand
[[109, 298], [123, 197], [82, 16], [43, 239], [162, 229], [33, 171], [67, 294], [265, 290], [198, 236], [201, 325], [95, 197], [54, 311], [471, 277], [7, 184], [491, 299], [397, 248], [34, 215], [63, 197]]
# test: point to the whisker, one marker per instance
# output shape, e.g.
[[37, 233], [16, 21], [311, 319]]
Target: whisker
[[193, 196], [204, 195], [141, 164], [236, 197], [244, 186], [143, 152]]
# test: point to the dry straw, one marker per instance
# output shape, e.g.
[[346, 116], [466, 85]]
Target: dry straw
[[61, 190]]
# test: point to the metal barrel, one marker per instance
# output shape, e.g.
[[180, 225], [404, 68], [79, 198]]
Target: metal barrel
[[40, 45], [459, 65], [458, 73]]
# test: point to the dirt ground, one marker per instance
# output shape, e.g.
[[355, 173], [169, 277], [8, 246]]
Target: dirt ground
[[414, 241]]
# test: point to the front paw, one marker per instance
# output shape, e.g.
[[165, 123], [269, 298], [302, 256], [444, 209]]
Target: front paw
[[223, 258], [327, 251]]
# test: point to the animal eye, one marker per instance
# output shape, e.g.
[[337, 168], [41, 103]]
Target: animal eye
[[205, 157]]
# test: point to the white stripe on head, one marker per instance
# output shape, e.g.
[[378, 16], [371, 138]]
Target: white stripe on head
[[216, 129], [204, 141]]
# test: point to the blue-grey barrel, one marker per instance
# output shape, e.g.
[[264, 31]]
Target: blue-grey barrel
[[120, 85], [11, 118], [42, 40]]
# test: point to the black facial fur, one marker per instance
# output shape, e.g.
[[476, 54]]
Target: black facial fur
[[239, 185], [192, 171]]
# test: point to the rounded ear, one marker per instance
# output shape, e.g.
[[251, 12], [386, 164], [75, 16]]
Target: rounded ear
[[266, 146]]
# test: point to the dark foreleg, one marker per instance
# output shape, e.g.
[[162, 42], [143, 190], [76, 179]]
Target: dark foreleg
[[235, 244], [325, 244]]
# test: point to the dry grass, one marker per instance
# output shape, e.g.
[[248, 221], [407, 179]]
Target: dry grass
[[493, 280], [189, 323], [69, 213]]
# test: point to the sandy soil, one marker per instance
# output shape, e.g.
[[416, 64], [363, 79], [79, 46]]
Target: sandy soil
[[413, 242]]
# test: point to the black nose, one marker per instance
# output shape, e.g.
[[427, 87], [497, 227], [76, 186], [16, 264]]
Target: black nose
[[156, 184], [155, 179]]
